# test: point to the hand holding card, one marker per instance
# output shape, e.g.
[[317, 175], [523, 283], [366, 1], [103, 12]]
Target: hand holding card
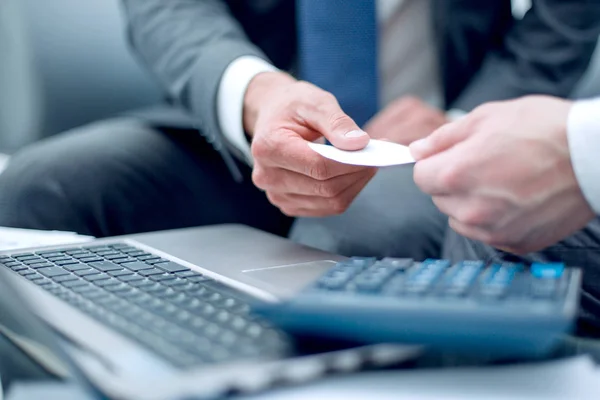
[[378, 153]]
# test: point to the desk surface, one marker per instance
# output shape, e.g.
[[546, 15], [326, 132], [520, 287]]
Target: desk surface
[[574, 377]]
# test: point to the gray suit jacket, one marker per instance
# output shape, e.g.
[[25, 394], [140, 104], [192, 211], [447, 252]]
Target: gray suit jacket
[[484, 53]]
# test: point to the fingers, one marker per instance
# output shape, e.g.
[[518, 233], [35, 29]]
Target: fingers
[[445, 173], [325, 115], [314, 206], [440, 140], [283, 181], [288, 151]]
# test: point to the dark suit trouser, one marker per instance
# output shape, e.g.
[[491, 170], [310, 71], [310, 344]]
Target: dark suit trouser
[[125, 176]]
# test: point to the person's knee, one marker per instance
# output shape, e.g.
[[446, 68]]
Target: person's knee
[[52, 184], [32, 186]]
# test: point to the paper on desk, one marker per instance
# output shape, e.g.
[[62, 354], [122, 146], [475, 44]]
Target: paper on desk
[[378, 153], [14, 238]]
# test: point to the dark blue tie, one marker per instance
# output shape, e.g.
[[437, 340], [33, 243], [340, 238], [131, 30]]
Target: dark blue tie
[[338, 52]]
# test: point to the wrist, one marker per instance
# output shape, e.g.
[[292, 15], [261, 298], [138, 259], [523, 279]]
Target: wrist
[[258, 92]]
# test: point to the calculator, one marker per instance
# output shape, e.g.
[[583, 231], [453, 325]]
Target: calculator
[[505, 309]]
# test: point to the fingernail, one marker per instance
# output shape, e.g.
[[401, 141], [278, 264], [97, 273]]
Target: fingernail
[[355, 134]]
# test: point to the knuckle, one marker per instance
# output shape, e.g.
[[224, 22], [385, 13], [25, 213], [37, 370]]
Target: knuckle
[[326, 98], [475, 216], [451, 176], [325, 189], [338, 205], [276, 199], [261, 148], [259, 177], [319, 170]]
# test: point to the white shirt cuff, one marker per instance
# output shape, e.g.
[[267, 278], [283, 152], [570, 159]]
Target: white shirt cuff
[[230, 99], [583, 132]]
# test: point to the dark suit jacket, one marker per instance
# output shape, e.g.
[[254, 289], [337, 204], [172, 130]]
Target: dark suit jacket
[[484, 53]]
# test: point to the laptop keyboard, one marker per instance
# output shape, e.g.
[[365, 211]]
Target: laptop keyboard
[[183, 316]]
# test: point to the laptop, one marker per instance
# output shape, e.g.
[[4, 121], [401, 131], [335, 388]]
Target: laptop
[[165, 315]]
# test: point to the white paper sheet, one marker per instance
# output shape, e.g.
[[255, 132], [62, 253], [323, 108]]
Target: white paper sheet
[[378, 153], [13, 238]]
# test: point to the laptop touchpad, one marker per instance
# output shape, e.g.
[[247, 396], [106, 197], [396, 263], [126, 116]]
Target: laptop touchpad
[[287, 280]]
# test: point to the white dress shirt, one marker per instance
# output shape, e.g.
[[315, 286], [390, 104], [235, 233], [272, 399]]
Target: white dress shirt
[[583, 131], [407, 64]]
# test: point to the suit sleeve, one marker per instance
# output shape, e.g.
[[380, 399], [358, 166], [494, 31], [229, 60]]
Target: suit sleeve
[[188, 45], [546, 52]]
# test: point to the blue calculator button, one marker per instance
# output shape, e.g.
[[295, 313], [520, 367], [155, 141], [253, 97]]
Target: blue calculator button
[[547, 270]]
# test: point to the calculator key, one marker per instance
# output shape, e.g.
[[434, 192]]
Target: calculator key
[[547, 270]]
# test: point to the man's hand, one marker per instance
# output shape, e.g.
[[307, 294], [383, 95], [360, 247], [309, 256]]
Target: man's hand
[[404, 121], [282, 115], [504, 176]]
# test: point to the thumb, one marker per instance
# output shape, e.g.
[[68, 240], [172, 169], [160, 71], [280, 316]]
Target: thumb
[[441, 139], [338, 128]]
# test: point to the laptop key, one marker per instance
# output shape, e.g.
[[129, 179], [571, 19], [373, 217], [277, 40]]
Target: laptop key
[[104, 266], [66, 262], [124, 260], [136, 266], [115, 256], [186, 273], [42, 265], [120, 272], [91, 259], [162, 277], [175, 283], [34, 260], [118, 287], [96, 277], [154, 260], [55, 259], [11, 264], [142, 284], [74, 283], [76, 267], [23, 256], [107, 282], [52, 271], [84, 254], [151, 271], [34, 277], [86, 272], [130, 278], [198, 278], [19, 267], [171, 267], [64, 278]]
